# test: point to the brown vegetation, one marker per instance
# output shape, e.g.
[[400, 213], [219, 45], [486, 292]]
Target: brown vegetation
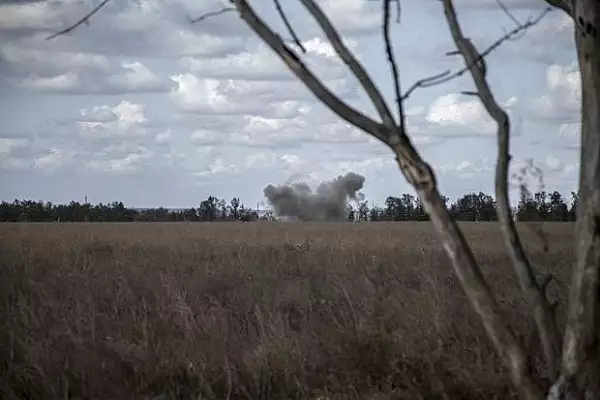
[[216, 311]]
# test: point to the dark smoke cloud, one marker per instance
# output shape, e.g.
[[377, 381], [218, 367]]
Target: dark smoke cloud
[[327, 203]]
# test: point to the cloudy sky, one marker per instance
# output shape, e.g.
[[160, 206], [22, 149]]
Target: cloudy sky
[[143, 107]]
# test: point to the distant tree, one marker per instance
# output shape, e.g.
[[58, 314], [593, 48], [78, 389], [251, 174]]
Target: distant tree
[[394, 209], [474, 207], [190, 214], [376, 214], [208, 209], [234, 207], [527, 209], [543, 207], [558, 209], [363, 211]]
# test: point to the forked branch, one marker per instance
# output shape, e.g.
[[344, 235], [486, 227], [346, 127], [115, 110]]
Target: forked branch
[[350, 60], [447, 76], [420, 175], [534, 294], [84, 20], [415, 169]]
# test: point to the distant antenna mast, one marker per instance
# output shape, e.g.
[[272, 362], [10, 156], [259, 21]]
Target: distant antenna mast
[[86, 199]]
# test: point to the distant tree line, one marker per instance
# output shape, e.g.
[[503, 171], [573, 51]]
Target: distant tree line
[[541, 206], [211, 209]]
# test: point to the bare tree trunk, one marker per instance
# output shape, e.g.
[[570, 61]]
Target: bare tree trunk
[[580, 369], [533, 291], [580, 348]]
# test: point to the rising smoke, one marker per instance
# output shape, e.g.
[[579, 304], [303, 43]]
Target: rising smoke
[[327, 203]]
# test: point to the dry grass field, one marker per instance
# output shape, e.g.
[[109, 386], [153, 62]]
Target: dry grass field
[[235, 311]]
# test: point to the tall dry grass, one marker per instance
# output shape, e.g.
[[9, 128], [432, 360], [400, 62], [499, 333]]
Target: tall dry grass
[[233, 311]]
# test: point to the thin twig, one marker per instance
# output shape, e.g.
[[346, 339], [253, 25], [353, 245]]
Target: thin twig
[[289, 26], [508, 13], [353, 64], [211, 14], [514, 19], [84, 20], [447, 76], [425, 82], [392, 61]]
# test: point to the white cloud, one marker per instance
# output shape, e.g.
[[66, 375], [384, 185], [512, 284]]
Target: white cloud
[[14, 154], [456, 115], [140, 28], [449, 110], [137, 78], [119, 159], [553, 163], [562, 102], [163, 137], [353, 16], [262, 64], [551, 37], [239, 97], [52, 160], [216, 167], [63, 83], [24, 57], [203, 96], [467, 169], [570, 136], [123, 120], [9, 145], [77, 72], [34, 15], [207, 137]]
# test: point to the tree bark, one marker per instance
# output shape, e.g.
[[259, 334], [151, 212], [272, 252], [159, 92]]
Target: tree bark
[[580, 348], [532, 290]]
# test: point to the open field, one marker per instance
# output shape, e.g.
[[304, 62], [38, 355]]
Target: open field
[[234, 311]]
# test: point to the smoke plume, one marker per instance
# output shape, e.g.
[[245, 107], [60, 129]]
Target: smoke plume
[[327, 203]]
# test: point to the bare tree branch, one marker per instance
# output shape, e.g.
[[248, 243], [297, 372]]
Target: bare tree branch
[[392, 60], [289, 26], [398, 11], [84, 20], [447, 76], [535, 295], [425, 82], [508, 13], [420, 175], [293, 62], [567, 6], [357, 69], [211, 14]]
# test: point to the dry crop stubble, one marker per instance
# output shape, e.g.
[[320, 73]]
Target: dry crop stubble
[[228, 310]]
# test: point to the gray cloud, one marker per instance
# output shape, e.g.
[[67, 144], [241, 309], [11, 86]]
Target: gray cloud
[[78, 72], [328, 202]]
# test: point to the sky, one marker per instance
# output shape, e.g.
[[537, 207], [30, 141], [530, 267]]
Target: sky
[[143, 107]]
